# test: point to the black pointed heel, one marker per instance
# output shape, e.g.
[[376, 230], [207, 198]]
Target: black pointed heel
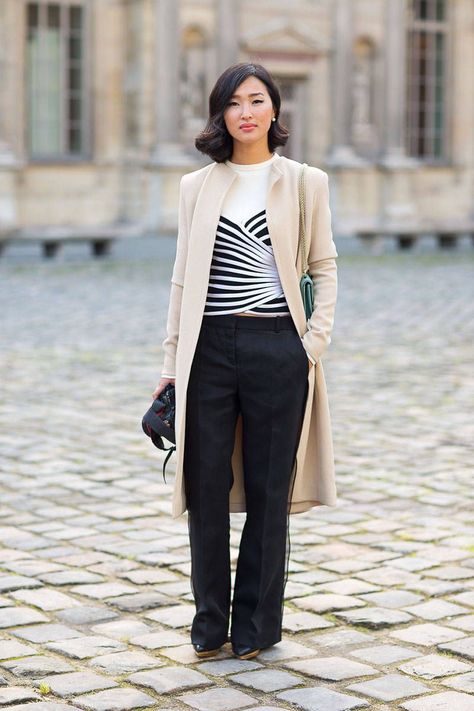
[[203, 652], [243, 652]]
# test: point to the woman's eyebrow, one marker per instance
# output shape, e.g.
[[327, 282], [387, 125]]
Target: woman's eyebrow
[[255, 93]]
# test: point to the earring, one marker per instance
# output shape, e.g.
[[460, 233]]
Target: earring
[[273, 119]]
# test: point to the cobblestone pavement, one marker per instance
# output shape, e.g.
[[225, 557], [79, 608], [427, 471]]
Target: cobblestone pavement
[[95, 600]]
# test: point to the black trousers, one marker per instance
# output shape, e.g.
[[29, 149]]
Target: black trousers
[[256, 366]]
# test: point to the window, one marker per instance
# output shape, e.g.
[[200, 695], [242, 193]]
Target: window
[[426, 81], [55, 79], [293, 115]]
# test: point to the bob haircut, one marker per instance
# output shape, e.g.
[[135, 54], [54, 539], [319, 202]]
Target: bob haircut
[[215, 140]]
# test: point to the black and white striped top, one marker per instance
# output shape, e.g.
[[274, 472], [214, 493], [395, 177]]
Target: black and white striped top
[[243, 275]]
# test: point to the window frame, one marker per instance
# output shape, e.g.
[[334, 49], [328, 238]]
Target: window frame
[[63, 156], [431, 26]]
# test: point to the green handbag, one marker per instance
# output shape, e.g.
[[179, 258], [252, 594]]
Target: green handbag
[[306, 282]]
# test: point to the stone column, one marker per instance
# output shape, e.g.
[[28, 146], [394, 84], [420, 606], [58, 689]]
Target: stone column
[[6, 153], [9, 163], [342, 153], [167, 89], [227, 33], [397, 206], [395, 83], [169, 160]]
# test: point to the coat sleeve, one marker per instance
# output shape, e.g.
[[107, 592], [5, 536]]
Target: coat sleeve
[[323, 270], [170, 343]]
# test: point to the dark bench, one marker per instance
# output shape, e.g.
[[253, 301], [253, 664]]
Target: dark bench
[[53, 238], [406, 235]]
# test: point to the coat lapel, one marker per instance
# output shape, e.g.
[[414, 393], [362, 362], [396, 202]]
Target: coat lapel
[[283, 222], [203, 230]]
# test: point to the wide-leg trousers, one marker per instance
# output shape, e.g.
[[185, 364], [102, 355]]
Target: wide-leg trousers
[[256, 366]]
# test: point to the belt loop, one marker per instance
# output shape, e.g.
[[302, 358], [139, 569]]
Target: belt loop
[[277, 327]]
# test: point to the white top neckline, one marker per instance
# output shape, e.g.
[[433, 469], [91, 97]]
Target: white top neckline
[[245, 167]]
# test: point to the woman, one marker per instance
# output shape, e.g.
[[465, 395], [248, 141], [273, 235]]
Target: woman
[[252, 419]]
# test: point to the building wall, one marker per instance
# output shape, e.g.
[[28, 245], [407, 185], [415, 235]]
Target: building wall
[[151, 65]]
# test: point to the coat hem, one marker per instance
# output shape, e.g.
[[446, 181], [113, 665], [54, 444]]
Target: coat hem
[[296, 507]]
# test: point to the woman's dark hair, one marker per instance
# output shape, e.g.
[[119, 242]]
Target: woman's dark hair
[[214, 139]]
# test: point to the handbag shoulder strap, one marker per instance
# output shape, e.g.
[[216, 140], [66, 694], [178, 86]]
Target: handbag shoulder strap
[[302, 223]]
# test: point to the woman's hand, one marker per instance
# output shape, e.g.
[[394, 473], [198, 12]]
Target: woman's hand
[[161, 386]]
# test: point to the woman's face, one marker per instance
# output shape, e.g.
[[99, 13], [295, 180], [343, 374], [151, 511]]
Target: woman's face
[[248, 115]]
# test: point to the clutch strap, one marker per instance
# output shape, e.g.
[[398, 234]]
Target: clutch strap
[[302, 222]]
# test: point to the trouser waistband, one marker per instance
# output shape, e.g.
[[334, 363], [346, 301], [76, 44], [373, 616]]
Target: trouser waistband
[[259, 323]]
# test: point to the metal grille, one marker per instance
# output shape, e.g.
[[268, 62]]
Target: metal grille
[[426, 80], [55, 79]]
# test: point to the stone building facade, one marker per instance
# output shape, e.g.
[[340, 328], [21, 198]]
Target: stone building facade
[[100, 101]]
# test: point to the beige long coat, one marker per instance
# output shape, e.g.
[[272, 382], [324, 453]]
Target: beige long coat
[[201, 194]]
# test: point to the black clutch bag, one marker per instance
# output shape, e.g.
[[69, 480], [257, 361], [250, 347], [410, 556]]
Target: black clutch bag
[[158, 422]]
